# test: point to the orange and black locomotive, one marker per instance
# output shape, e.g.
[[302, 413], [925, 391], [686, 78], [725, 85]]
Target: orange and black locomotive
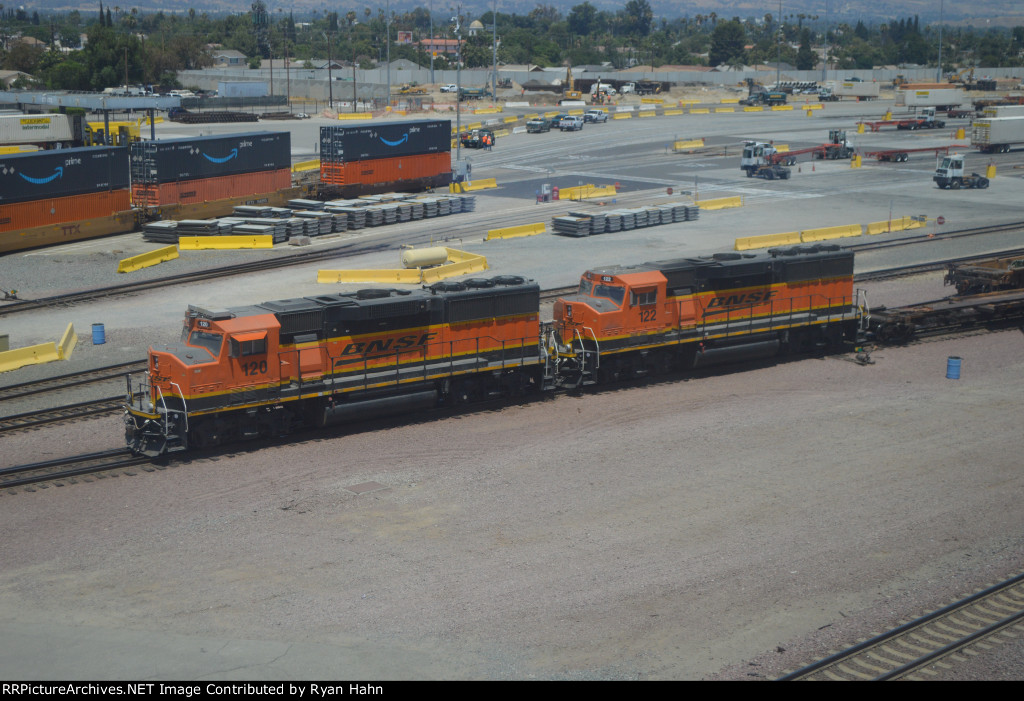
[[270, 368]]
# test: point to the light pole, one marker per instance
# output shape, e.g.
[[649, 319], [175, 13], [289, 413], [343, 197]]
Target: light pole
[[494, 46], [387, 22], [939, 79], [778, 64], [458, 85], [330, 83], [431, 46]]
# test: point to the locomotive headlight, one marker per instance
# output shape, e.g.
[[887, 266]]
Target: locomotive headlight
[[568, 310]]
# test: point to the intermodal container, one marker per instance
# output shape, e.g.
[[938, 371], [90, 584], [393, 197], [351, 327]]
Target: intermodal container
[[73, 171], [344, 144], [196, 158], [57, 210], [211, 189], [386, 170]]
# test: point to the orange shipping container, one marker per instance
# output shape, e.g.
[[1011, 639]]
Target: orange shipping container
[[211, 189], [385, 170], [58, 210]]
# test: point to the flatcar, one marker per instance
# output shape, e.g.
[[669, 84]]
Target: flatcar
[[270, 368]]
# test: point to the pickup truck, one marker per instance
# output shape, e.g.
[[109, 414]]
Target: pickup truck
[[449, 88], [595, 116], [538, 125], [571, 123]]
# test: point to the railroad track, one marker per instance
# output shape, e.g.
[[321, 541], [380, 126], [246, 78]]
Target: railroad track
[[69, 468], [60, 414], [907, 652], [75, 379]]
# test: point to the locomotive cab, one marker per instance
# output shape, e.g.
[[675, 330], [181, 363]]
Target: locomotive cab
[[611, 304], [219, 359]]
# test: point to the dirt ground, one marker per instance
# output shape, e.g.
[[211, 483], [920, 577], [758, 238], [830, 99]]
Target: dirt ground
[[674, 531]]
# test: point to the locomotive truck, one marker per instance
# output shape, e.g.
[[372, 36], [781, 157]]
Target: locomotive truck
[[271, 368]]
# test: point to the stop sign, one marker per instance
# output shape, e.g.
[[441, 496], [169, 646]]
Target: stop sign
[[940, 221], [669, 191]]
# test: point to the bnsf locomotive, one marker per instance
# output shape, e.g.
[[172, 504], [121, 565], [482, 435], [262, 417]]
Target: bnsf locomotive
[[270, 368]]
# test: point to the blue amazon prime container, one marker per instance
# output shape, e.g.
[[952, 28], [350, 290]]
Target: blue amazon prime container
[[200, 157], [344, 144], [41, 175]]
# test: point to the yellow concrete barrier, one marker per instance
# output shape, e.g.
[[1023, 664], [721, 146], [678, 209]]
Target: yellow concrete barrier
[[721, 203], [67, 343], [486, 110], [672, 113], [577, 113], [729, 101], [687, 103], [830, 232], [782, 108], [411, 277], [462, 263], [753, 109], [622, 115], [789, 238], [700, 110], [686, 145], [145, 260], [586, 192], [303, 166], [652, 101], [510, 120], [471, 127], [723, 110], [897, 224], [501, 132], [552, 114], [817, 106], [473, 185], [224, 243], [648, 114], [350, 115], [511, 232], [29, 355]]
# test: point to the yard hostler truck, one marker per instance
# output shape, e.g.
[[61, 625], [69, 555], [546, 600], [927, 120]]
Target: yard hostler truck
[[950, 175], [762, 160]]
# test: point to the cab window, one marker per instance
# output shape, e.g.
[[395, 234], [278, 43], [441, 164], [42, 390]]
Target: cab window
[[586, 286], [639, 298], [611, 292], [241, 348], [207, 340]]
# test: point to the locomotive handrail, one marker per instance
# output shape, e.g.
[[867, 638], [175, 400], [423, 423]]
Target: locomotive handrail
[[184, 405]]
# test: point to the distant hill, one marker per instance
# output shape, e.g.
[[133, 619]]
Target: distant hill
[[979, 12]]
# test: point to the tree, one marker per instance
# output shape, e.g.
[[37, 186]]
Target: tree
[[805, 58], [582, 19], [638, 17], [728, 40]]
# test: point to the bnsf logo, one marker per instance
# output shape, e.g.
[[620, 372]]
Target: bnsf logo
[[745, 298], [381, 345]]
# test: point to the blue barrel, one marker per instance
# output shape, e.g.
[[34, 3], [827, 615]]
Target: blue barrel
[[953, 367], [99, 337]]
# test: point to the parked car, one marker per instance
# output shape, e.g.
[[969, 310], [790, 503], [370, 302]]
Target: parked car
[[595, 116], [571, 123], [449, 88]]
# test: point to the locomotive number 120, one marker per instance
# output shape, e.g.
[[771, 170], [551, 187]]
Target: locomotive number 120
[[254, 368]]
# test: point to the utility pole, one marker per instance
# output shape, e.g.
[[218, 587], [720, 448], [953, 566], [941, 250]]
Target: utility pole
[[778, 64], [431, 49], [458, 84], [330, 84], [941, 3], [494, 46], [387, 21]]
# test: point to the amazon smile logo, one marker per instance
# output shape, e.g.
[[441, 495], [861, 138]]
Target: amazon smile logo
[[58, 172], [225, 159]]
